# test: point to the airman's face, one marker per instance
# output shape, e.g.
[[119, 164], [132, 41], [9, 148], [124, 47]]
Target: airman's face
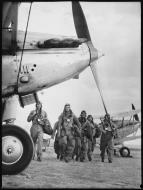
[[67, 108], [107, 117], [83, 114], [90, 118], [38, 106]]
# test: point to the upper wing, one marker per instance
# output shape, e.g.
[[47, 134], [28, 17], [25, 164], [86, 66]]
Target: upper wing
[[121, 114], [126, 114]]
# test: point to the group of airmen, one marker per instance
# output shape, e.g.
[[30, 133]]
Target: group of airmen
[[75, 138]]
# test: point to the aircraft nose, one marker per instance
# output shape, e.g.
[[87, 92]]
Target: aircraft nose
[[100, 54], [94, 53]]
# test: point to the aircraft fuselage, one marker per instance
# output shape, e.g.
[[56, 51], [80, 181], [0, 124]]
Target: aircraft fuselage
[[42, 68]]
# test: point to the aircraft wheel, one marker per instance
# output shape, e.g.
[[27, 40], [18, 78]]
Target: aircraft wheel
[[125, 152], [17, 149]]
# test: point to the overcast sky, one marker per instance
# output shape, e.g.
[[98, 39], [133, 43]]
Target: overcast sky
[[115, 29]]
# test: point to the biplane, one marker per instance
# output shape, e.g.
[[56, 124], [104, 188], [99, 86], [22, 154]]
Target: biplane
[[126, 129]]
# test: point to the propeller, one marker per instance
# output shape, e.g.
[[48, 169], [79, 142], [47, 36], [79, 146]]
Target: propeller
[[83, 32]]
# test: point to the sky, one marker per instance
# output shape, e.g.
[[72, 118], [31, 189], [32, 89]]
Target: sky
[[115, 29]]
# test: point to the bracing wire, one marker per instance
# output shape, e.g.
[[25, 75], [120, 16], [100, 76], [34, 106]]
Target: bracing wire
[[23, 45]]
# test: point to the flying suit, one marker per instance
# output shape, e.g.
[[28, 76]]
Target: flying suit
[[37, 131], [82, 121], [87, 139], [106, 141], [67, 135], [57, 137], [97, 133], [77, 149]]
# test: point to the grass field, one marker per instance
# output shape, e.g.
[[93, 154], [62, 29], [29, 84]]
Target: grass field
[[52, 173]]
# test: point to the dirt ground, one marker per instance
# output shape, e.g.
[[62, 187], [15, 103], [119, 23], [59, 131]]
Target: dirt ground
[[52, 173]]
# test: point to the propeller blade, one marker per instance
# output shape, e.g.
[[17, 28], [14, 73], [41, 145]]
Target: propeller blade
[[82, 28], [83, 32], [93, 67], [80, 21]]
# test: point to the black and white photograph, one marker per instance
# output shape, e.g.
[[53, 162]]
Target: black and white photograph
[[71, 95]]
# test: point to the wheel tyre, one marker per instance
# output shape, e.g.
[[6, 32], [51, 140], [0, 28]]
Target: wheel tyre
[[125, 152], [28, 149]]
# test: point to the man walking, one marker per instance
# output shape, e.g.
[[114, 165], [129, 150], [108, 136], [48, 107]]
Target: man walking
[[88, 132], [67, 124], [38, 118], [106, 140]]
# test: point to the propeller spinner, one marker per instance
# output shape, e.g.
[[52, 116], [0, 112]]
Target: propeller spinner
[[83, 32]]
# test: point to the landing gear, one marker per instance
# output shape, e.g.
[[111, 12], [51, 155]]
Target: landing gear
[[17, 149], [125, 152]]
